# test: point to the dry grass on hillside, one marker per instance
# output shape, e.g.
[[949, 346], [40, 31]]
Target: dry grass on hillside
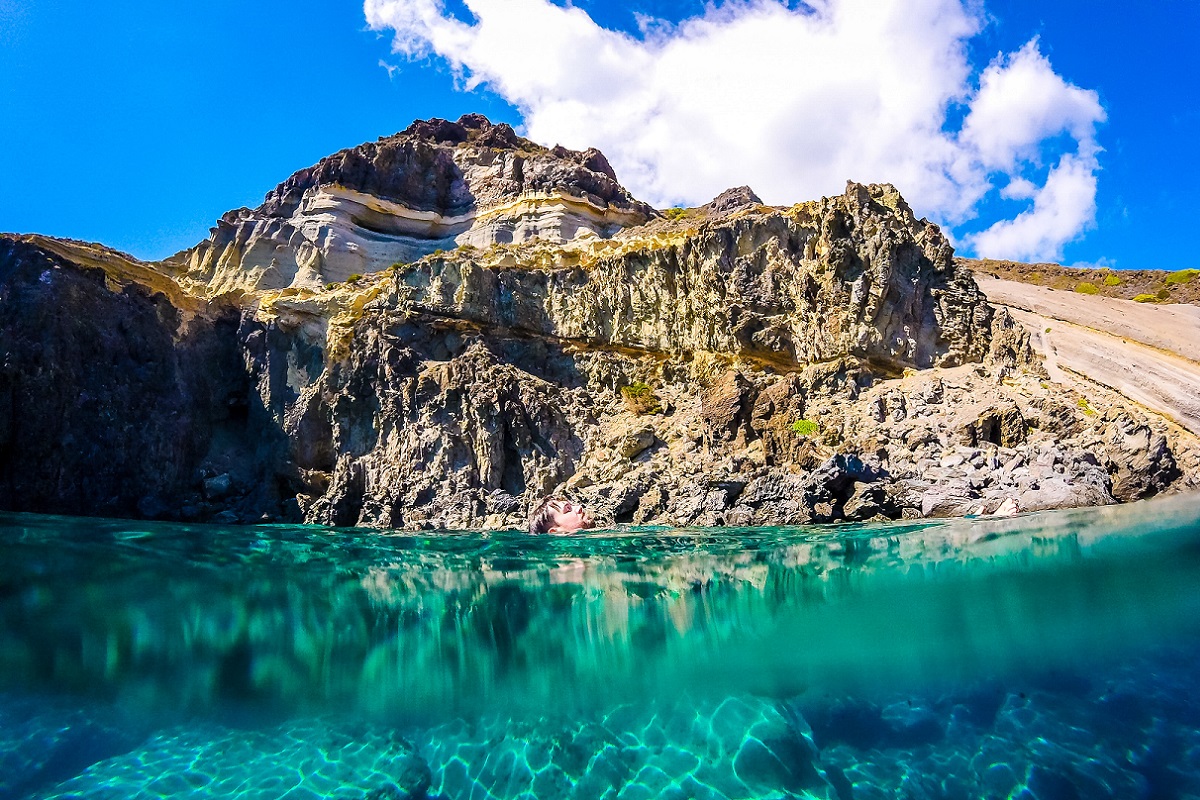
[[1144, 285]]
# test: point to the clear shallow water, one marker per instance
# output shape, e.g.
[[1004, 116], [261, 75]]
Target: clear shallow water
[[1045, 656]]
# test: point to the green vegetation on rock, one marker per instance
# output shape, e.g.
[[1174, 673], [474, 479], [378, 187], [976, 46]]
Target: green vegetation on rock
[[1086, 406], [1087, 288], [675, 214], [1182, 276], [355, 278], [805, 427], [1112, 280], [640, 399], [1146, 298]]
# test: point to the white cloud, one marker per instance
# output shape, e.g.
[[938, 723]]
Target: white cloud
[[793, 101], [1100, 263], [1019, 189], [1063, 208], [1022, 102], [392, 69]]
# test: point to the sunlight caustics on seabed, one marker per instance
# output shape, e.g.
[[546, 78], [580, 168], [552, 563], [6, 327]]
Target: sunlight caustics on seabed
[[1049, 656]]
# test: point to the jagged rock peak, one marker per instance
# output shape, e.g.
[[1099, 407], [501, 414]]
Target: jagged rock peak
[[469, 128], [733, 199], [434, 186], [478, 130], [428, 167], [885, 194]]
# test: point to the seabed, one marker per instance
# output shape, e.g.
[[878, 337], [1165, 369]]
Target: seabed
[[1049, 656]]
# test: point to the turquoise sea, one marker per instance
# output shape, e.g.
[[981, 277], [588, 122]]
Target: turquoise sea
[[1048, 656]]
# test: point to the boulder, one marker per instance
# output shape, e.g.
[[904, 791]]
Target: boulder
[[999, 424], [1139, 458], [1058, 492], [725, 408], [954, 499], [635, 442], [218, 486]]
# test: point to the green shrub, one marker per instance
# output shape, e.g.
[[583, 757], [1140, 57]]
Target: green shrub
[[1086, 406], [1146, 298], [1182, 276], [675, 214], [805, 427], [331, 286], [640, 399], [1087, 288], [1163, 294], [1112, 280], [355, 278]]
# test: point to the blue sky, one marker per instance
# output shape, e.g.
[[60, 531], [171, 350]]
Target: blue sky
[[138, 125]]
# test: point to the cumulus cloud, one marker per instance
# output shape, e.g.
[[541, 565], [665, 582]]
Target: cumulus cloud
[[1021, 105], [1021, 102], [791, 100], [1062, 208]]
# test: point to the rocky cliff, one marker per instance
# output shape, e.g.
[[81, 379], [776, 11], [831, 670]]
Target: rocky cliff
[[434, 186], [439, 328]]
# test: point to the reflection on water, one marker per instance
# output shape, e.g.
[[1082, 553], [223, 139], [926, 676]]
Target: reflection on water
[[827, 661]]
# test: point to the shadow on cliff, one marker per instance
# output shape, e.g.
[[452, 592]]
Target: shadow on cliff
[[115, 403], [424, 425]]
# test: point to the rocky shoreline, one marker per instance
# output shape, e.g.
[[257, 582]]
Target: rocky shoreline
[[542, 331]]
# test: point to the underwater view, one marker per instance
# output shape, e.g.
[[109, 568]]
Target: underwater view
[[1047, 656]]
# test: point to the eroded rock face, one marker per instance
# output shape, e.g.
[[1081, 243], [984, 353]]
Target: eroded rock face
[[823, 362], [436, 185], [114, 403], [856, 275]]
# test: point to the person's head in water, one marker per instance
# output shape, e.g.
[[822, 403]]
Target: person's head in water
[[556, 515]]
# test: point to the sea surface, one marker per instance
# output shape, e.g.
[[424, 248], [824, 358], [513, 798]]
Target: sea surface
[[1048, 656]]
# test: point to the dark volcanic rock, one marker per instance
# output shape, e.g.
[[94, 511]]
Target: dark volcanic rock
[[474, 426], [111, 403], [417, 167], [733, 199]]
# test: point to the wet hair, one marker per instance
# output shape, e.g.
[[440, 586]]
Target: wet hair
[[542, 518]]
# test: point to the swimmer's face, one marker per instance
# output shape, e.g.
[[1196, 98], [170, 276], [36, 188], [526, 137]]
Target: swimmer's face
[[570, 517]]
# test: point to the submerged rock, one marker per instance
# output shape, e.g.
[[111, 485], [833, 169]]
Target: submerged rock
[[305, 759], [741, 747]]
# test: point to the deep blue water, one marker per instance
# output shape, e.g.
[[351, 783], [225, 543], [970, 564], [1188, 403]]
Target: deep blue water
[[1050, 656]]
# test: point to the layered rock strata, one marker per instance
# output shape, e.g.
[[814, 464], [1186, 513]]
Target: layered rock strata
[[434, 186], [728, 365]]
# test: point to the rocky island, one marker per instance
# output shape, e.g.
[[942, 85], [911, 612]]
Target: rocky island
[[439, 328]]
